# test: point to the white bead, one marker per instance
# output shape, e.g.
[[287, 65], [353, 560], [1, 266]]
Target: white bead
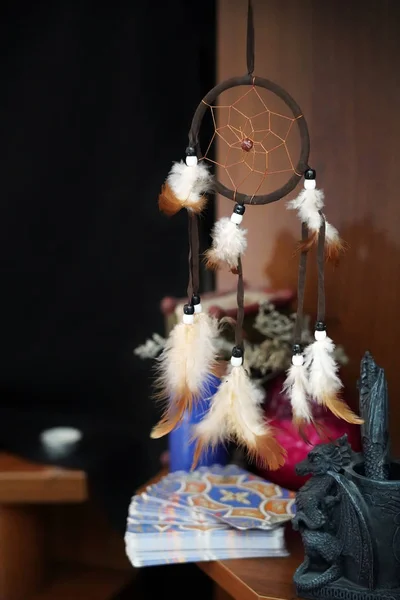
[[197, 308], [191, 161], [188, 319], [237, 219], [236, 361], [310, 184], [297, 360], [320, 335]]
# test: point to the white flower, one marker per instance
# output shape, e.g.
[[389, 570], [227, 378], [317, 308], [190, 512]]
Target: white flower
[[151, 348], [273, 324]]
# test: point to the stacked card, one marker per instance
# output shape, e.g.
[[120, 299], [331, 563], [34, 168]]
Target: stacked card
[[212, 513]]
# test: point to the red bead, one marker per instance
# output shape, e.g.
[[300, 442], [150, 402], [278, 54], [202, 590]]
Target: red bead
[[247, 144]]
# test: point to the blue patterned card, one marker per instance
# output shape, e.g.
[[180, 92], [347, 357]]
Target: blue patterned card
[[230, 494], [148, 509]]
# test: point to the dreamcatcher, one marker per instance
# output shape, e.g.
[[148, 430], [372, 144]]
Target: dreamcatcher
[[258, 167]]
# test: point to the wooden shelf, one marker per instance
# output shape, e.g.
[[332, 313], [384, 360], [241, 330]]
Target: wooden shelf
[[258, 578], [23, 482], [80, 583]]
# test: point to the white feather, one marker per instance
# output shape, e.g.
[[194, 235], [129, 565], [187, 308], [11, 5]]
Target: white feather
[[235, 412], [189, 183], [229, 241], [331, 233], [296, 388], [188, 357], [322, 379], [307, 204]]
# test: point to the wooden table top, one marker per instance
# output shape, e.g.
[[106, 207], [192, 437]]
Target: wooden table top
[[24, 482], [258, 578], [255, 578], [244, 579]]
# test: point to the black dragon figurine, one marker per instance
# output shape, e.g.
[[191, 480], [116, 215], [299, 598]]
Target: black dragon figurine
[[348, 512]]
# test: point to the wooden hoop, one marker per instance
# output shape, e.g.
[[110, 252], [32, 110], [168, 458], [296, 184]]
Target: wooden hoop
[[302, 164]]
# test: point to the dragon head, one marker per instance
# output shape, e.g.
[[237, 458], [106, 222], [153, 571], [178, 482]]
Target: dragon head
[[326, 457]]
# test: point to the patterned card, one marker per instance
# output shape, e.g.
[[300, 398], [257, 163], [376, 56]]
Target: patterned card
[[186, 538], [160, 509], [140, 528], [152, 559], [230, 494]]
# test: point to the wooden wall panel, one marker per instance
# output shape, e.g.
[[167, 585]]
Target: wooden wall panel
[[339, 60]]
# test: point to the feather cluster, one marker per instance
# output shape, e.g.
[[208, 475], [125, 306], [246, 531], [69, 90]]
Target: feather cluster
[[184, 366], [185, 188], [324, 385], [229, 241], [316, 380], [296, 388], [309, 204], [236, 414]]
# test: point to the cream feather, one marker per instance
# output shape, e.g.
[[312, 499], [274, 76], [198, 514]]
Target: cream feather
[[309, 204], [189, 183], [185, 187], [236, 414], [296, 388], [331, 234], [183, 369], [324, 384], [229, 242]]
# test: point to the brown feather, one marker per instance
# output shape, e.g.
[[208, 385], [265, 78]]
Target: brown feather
[[323, 431], [333, 250], [320, 428], [306, 245], [168, 203], [211, 261], [166, 424], [198, 450], [339, 408], [196, 207], [267, 452], [173, 415], [300, 425]]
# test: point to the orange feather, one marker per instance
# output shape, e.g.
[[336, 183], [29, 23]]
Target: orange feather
[[211, 261], [340, 409], [170, 204], [265, 451], [173, 415], [333, 250]]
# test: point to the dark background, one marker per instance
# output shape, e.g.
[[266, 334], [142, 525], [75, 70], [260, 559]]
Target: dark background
[[96, 103]]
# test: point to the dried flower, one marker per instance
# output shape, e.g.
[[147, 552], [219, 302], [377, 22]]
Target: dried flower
[[151, 348], [265, 358]]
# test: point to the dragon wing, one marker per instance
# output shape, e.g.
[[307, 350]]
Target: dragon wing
[[354, 533]]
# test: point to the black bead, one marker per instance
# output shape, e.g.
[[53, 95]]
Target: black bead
[[190, 151], [239, 209], [196, 299], [310, 174], [296, 349], [320, 326], [188, 309], [237, 352]]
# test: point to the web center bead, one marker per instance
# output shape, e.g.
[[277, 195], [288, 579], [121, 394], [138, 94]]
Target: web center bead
[[247, 144]]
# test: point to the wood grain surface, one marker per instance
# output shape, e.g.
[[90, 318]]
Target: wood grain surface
[[338, 59]]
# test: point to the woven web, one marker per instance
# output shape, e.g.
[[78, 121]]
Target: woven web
[[253, 143]]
